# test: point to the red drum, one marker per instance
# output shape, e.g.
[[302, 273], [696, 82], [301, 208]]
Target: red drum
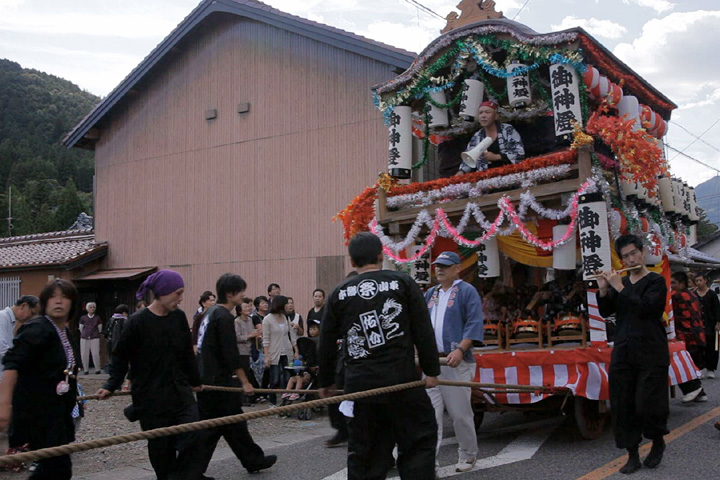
[[526, 328], [567, 324]]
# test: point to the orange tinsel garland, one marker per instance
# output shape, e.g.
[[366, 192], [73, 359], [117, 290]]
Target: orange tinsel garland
[[638, 155], [550, 160], [359, 213]]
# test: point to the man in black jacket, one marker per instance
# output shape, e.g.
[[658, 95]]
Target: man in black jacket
[[219, 359], [156, 345], [640, 358], [382, 318]]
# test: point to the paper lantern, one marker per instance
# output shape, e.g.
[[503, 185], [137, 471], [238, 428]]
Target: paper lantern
[[564, 81], [564, 256], [694, 216], [420, 268], [667, 197], [488, 255], [692, 235], [628, 187], [438, 117], [647, 117], [628, 109], [615, 94], [653, 247], [518, 87], [472, 97], [617, 218], [661, 129], [400, 150], [594, 234], [601, 89], [591, 77], [679, 197]]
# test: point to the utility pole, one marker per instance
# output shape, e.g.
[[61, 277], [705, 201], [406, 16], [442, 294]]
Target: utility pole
[[9, 217]]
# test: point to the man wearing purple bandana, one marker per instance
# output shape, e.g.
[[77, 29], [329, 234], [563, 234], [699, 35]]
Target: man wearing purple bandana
[[157, 346]]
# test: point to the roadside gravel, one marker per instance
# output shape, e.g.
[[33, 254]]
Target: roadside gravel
[[106, 419]]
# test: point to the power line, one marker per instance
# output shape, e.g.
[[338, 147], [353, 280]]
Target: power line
[[679, 152], [426, 9], [521, 9], [698, 138]]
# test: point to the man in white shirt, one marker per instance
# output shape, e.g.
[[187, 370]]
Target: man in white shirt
[[457, 318], [11, 318]]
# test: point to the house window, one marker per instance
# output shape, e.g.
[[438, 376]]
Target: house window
[[9, 291]]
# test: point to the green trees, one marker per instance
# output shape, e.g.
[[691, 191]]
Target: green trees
[[50, 184]]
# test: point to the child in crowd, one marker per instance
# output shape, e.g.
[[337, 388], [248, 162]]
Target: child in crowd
[[303, 376]]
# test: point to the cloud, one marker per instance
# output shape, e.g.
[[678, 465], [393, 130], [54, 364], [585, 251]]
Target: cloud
[[676, 55], [594, 26], [659, 6]]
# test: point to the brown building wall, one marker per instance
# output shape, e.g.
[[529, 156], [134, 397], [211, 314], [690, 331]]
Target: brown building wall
[[251, 193]]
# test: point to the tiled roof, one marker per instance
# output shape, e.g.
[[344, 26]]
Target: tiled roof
[[50, 249]]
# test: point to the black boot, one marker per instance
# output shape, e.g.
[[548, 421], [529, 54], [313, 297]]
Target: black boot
[[656, 454], [633, 464]]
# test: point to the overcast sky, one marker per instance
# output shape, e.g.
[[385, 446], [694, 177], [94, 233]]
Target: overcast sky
[[674, 44]]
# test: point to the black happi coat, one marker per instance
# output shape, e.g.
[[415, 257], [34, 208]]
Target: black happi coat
[[40, 416], [382, 318], [159, 352]]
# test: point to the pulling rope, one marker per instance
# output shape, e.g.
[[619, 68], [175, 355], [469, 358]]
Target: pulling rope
[[194, 426], [486, 387], [232, 419]]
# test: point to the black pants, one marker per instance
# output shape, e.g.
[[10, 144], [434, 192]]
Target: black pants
[[223, 404], [245, 365], [173, 457], [337, 420], [639, 399], [711, 355], [56, 468], [406, 419]]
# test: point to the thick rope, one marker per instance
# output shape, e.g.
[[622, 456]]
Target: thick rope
[[497, 387], [201, 425]]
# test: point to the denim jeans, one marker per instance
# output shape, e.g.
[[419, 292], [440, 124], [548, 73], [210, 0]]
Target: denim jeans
[[279, 376]]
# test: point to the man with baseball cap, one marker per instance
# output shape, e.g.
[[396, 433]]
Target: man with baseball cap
[[457, 318]]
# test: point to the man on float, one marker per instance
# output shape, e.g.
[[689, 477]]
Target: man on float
[[506, 147]]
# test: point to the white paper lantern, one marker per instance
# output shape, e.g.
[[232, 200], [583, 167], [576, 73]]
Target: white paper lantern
[[679, 197], [518, 87], [694, 217], [653, 248], [594, 234], [564, 81], [400, 137], [628, 108], [692, 235], [472, 97], [628, 186], [420, 268], [488, 258], [667, 197], [438, 117], [564, 256]]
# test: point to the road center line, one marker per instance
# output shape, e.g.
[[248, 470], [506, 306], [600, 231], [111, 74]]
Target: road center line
[[615, 466]]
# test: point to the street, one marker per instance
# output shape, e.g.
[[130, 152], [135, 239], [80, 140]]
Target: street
[[517, 445]]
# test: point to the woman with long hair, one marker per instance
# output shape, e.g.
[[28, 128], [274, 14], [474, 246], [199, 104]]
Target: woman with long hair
[[279, 344], [39, 387]]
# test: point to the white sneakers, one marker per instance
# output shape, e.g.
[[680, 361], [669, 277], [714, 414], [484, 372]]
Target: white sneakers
[[703, 373], [689, 397], [710, 374], [466, 466]]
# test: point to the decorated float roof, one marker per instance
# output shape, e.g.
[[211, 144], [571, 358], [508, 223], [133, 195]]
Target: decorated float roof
[[564, 43]]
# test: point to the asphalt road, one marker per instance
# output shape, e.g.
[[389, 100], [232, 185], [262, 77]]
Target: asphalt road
[[537, 446]]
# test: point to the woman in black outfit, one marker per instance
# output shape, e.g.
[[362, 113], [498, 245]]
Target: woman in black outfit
[[38, 387]]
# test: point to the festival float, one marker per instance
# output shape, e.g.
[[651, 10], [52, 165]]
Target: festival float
[[530, 233]]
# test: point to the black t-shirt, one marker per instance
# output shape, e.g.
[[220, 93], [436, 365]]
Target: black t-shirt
[[159, 352], [383, 318], [218, 355], [256, 319]]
